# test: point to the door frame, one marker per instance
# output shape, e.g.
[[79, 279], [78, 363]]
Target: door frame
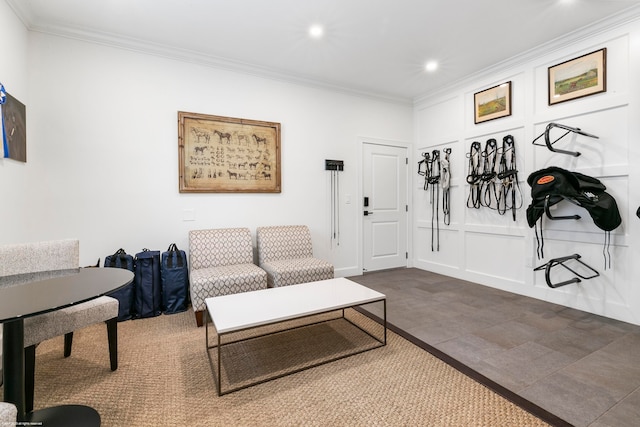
[[410, 184]]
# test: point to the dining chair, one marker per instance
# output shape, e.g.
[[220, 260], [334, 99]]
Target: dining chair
[[41, 259]]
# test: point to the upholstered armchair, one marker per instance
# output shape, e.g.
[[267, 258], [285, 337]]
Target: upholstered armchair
[[221, 263], [46, 258], [286, 253]]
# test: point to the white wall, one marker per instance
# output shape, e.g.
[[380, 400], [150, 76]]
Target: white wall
[[103, 151], [484, 247], [13, 45], [14, 176], [102, 159]]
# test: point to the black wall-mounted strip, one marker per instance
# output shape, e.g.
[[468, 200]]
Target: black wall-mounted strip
[[334, 165]]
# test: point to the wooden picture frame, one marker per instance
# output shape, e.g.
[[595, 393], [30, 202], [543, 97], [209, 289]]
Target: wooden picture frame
[[579, 77], [492, 103], [219, 154]]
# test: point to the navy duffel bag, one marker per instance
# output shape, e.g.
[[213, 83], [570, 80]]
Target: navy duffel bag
[[175, 280], [124, 295], [148, 288]]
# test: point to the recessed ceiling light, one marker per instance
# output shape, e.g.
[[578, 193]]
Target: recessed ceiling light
[[431, 66], [316, 31]]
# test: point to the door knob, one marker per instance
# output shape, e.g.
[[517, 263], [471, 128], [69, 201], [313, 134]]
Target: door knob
[[367, 213]]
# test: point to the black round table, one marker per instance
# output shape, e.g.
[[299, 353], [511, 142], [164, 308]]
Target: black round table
[[29, 295]]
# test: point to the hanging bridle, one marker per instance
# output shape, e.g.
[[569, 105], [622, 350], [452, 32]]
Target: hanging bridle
[[445, 183], [488, 180], [474, 175], [434, 180], [423, 169], [508, 176], [430, 168]]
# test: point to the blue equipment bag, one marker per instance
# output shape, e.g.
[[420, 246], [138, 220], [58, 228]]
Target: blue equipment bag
[[124, 295], [175, 280], [148, 288]]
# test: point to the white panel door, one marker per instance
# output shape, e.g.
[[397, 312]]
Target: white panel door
[[385, 217]]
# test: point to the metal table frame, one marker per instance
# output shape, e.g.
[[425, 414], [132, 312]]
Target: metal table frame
[[219, 344]]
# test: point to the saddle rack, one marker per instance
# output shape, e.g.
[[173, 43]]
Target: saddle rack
[[549, 144], [560, 261], [548, 211]]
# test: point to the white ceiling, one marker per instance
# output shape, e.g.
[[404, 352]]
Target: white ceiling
[[376, 47]]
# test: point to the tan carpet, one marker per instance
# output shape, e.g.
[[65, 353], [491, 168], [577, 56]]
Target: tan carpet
[[165, 379]]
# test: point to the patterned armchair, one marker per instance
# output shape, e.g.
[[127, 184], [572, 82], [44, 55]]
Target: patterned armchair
[[286, 254], [39, 260], [221, 263]]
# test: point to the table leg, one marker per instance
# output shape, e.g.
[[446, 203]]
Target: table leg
[[206, 330], [14, 392], [384, 301], [219, 367], [13, 364]]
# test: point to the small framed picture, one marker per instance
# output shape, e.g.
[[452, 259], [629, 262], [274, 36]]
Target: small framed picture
[[578, 77], [492, 103], [13, 135]]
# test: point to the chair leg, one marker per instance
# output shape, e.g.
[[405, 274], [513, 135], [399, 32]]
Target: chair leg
[[112, 335], [29, 376], [199, 317], [68, 341]]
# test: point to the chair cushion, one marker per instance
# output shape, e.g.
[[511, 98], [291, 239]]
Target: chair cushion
[[298, 270], [225, 280], [283, 242], [216, 247], [69, 319]]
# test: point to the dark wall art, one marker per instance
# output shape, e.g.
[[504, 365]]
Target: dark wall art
[[14, 127]]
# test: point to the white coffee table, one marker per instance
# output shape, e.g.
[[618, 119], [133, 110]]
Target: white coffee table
[[238, 312]]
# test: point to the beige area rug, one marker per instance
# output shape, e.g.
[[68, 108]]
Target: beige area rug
[[165, 379]]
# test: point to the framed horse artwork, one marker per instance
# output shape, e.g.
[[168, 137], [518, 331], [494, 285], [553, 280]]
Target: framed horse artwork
[[582, 76], [492, 103], [219, 154]]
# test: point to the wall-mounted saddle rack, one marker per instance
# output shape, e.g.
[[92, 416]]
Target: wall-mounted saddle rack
[[549, 144], [560, 261], [548, 211]]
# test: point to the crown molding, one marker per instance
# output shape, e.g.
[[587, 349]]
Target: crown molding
[[610, 23], [29, 19], [185, 55], [191, 56], [22, 11]]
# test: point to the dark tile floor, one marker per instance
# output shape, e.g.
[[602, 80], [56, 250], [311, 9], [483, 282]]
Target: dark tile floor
[[581, 367]]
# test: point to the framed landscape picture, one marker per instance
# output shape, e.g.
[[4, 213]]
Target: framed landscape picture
[[578, 77], [226, 155], [492, 103]]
